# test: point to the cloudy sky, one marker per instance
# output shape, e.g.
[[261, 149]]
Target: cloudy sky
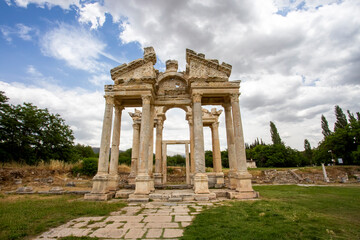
[[296, 59]]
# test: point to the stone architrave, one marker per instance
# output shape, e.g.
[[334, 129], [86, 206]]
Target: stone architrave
[[139, 84]]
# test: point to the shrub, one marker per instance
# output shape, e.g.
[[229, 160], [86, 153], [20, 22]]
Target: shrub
[[87, 167]]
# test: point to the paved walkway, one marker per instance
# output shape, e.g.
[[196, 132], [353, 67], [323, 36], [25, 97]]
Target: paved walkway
[[147, 221]]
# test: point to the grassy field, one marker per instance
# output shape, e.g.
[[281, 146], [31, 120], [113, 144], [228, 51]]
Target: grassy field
[[284, 212], [24, 216]]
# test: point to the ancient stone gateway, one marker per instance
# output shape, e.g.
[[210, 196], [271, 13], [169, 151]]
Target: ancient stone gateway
[[139, 84]]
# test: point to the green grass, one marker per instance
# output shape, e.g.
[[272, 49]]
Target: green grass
[[25, 216], [285, 212]]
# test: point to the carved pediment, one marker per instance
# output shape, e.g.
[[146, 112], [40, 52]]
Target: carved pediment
[[199, 68], [139, 69]]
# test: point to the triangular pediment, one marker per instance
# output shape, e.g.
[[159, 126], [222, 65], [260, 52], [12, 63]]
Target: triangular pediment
[[200, 68]]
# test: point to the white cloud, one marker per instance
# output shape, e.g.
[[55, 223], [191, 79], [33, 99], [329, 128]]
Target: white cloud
[[92, 13], [65, 4], [19, 30], [78, 47]]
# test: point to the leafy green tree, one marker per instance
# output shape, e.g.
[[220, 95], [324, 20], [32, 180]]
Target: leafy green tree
[[29, 134], [325, 126], [225, 159], [125, 157], [208, 158], [176, 160], [308, 151], [343, 142], [341, 120], [84, 151], [275, 136]]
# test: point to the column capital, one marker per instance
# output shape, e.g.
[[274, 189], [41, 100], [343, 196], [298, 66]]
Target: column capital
[[234, 97], [119, 107], [226, 105], [197, 97], [109, 99], [146, 99]]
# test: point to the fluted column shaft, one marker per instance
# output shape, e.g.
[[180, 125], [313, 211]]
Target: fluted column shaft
[[151, 140], [192, 153], [216, 147], [114, 160], [238, 134], [144, 136], [199, 155], [103, 164], [158, 151], [230, 138], [187, 167], [135, 149]]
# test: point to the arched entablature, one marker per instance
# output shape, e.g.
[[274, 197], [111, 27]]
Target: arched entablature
[[172, 84], [168, 107]]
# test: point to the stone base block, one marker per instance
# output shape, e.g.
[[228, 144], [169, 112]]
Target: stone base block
[[232, 180], [98, 196], [142, 185], [243, 195], [131, 180], [244, 182], [123, 193], [157, 178], [201, 185], [100, 183], [113, 182], [205, 197]]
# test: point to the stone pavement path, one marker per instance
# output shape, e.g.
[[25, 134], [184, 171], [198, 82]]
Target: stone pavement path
[[146, 221]]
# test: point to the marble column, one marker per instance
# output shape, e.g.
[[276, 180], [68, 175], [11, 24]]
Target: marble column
[[231, 146], [113, 183], [99, 189], [134, 153], [158, 152], [151, 150], [192, 154], [219, 175], [201, 184], [142, 179], [187, 167], [243, 176], [164, 163]]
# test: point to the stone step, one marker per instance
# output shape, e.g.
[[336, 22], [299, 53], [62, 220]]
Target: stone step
[[175, 199], [138, 200]]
